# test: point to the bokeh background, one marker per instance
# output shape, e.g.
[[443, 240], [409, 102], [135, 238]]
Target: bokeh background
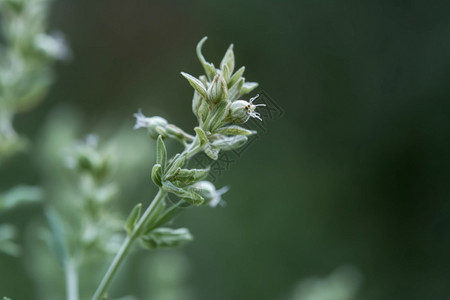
[[355, 172]]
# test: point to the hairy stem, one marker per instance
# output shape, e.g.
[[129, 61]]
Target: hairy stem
[[71, 274], [104, 284]]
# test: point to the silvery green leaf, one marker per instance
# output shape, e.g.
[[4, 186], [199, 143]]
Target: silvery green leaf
[[204, 80], [210, 70], [248, 87], [235, 91], [202, 135], [161, 154], [151, 221], [203, 111], [196, 84], [228, 60], [133, 218], [188, 196], [10, 248], [230, 143], [169, 214], [234, 130], [58, 241], [166, 237], [184, 177], [216, 119], [177, 162], [7, 233], [156, 174], [226, 73], [236, 76], [21, 194], [211, 151], [196, 103]]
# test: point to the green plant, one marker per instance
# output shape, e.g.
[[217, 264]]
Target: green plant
[[216, 104], [26, 62]]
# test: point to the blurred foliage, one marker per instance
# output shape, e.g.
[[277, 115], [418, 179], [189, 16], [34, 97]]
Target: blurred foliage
[[81, 227], [356, 171], [26, 59], [342, 284]]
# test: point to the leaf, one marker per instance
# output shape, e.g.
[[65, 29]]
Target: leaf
[[228, 60], [230, 143], [202, 135], [7, 233], [177, 162], [226, 73], [188, 196], [235, 91], [211, 151], [236, 76], [248, 87], [166, 238], [149, 224], [234, 130], [19, 195], [161, 154], [209, 68], [133, 218], [199, 107], [184, 177], [58, 241], [221, 112], [156, 174], [196, 84], [169, 214]]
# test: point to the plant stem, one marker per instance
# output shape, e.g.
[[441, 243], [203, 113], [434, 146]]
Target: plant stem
[[71, 273], [104, 284]]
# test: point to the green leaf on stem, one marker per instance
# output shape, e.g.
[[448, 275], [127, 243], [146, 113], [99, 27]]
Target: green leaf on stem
[[161, 154], [221, 111], [234, 130], [196, 84], [189, 196], [184, 177], [236, 76], [210, 70], [230, 143], [133, 218], [166, 238]]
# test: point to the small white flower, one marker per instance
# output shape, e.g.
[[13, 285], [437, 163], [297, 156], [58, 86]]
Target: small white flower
[[141, 120], [218, 197], [150, 123], [208, 191], [242, 110]]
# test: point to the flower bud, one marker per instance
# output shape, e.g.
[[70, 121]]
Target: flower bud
[[228, 60], [218, 89], [210, 70], [242, 110], [239, 111], [154, 125]]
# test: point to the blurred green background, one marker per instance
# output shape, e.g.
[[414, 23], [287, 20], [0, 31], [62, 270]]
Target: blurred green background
[[355, 172]]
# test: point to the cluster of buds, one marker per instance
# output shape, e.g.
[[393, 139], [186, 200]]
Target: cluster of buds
[[220, 111], [26, 62], [218, 105], [221, 85], [93, 166]]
